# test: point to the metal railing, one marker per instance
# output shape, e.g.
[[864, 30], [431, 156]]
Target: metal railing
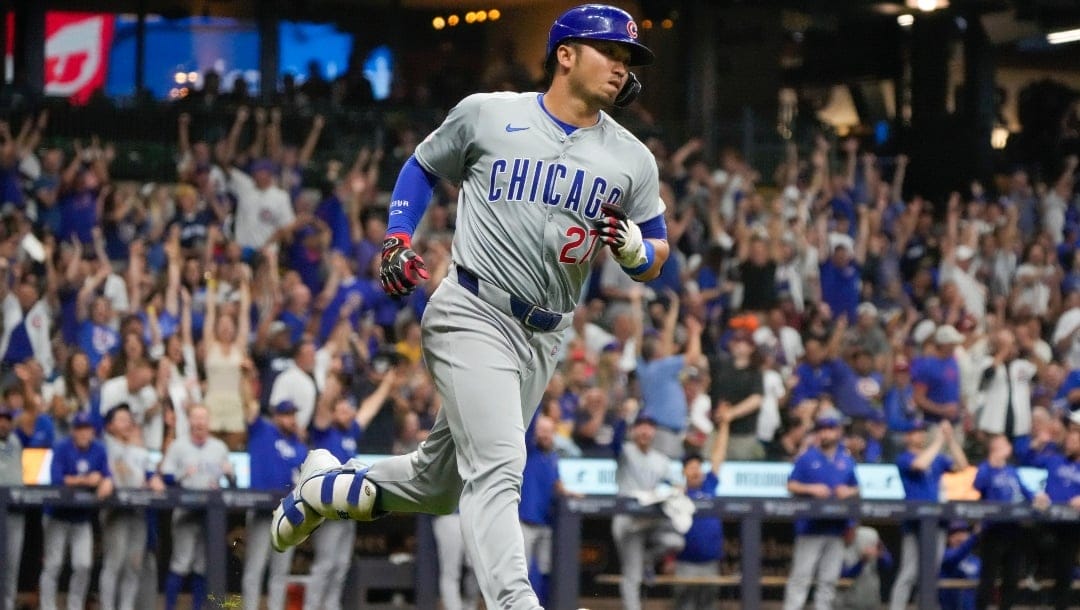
[[566, 577]]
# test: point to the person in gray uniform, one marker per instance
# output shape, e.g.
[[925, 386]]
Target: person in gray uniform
[[547, 180], [11, 476], [197, 462], [124, 529], [453, 565], [641, 541]]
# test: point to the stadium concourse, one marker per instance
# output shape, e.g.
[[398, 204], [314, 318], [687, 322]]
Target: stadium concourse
[[817, 312]]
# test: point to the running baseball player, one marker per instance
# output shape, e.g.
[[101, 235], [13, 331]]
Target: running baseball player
[[124, 529], [546, 180], [197, 462]]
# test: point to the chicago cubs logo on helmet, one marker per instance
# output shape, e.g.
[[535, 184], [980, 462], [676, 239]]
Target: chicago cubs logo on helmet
[[599, 22]]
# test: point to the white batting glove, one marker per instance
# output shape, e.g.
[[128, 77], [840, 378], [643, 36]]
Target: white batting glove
[[622, 235]]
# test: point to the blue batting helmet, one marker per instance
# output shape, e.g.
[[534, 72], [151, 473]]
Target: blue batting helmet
[[599, 22]]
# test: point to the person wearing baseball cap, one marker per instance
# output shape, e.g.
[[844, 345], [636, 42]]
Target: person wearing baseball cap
[[276, 455], [921, 466], [11, 475], [825, 470], [959, 562], [640, 468], [79, 461], [936, 377]]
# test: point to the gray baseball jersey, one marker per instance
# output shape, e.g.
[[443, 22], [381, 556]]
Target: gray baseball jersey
[[196, 466], [128, 463], [529, 191], [640, 471], [11, 472]]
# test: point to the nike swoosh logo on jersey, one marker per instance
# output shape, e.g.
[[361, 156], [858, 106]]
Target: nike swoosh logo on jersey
[[511, 129]]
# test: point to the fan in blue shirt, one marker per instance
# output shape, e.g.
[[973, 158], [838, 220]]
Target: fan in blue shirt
[[338, 424]]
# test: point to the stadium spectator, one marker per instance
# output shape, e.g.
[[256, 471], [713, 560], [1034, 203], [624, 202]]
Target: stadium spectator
[[226, 347], [737, 393]]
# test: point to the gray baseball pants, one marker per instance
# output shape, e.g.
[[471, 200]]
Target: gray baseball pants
[[696, 597], [125, 548], [189, 543], [640, 542], [490, 372], [453, 564], [16, 526], [58, 535], [822, 556], [908, 575], [256, 557], [333, 542]]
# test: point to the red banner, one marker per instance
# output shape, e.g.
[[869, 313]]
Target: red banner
[[76, 52]]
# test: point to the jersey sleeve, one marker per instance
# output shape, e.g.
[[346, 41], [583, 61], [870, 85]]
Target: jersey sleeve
[[445, 151], [643, 201]]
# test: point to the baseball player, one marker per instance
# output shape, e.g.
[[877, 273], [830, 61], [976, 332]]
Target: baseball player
[[336, 427], [824, 470], [546, 180], [640, 541], [921, 467], [124, 529], [78, 461], [11, 475], [540, 484], [1000, 550], [276, 454], [1063, 487], [197, 462], [705, 539]]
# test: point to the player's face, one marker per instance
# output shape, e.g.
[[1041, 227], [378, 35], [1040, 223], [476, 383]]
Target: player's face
[[82, 435], [693, 473], [286, 422], [199, 422], [599, 71]]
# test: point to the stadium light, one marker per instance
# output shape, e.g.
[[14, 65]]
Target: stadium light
[[470, 17], [905, 21], [1064, 36], [494, 14], [481, 16], [438, 23]]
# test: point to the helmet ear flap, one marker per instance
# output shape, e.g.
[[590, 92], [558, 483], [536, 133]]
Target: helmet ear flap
[[629, 91]]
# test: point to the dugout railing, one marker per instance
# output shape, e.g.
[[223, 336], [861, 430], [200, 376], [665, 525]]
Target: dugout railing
[[751, 514]]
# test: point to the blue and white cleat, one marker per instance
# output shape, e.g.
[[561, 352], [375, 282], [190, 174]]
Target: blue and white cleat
[[294, 520]]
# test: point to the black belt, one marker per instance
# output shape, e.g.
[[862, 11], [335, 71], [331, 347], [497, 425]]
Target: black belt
[[531, 316]]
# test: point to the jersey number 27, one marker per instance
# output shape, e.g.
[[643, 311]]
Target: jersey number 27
[[577, 236]]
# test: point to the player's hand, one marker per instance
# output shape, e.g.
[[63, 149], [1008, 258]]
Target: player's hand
[[402, 269], [622, 235], [1041, 501]]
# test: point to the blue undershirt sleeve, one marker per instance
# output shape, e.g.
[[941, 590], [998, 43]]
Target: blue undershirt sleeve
[[410, 198], [654, 228]]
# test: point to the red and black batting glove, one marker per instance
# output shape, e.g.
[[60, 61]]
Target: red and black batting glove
[[622, 235], [402, 268]]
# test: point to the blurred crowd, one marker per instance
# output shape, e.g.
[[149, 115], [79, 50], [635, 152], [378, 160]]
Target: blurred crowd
[[816, 294]]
